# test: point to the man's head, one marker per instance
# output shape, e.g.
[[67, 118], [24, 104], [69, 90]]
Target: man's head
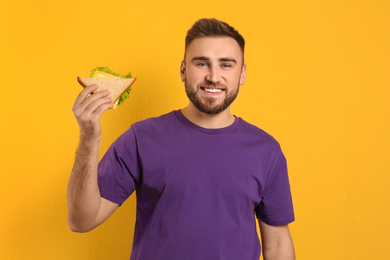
[[211, 27], [213, 68]]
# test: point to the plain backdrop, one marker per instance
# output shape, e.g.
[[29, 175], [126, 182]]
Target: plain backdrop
[[317, 80]]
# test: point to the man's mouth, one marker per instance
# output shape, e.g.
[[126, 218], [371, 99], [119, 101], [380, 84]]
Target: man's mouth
[[212, 90]]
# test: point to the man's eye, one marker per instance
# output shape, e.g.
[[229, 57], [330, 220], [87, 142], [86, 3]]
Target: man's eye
[[226, 65], [201, 64]]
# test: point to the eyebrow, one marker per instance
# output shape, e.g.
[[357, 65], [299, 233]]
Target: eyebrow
[[228, 60], [202, 58]]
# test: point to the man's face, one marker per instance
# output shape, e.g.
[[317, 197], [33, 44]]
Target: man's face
[[213, 72]]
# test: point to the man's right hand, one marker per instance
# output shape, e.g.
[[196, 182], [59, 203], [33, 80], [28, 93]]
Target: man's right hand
[[88, 108]]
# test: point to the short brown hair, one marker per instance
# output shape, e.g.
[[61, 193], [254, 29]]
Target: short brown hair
[[211, 27]]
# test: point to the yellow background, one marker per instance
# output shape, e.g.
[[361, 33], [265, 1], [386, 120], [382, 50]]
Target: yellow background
[[318, 81]]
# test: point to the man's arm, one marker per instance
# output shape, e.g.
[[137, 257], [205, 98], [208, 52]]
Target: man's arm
[[86, 208], [276, 242]]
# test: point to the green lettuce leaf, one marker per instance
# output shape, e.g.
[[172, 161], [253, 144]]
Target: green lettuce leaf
[[107, 70]]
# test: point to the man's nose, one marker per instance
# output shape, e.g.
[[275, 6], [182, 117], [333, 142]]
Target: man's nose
[[213, 75]]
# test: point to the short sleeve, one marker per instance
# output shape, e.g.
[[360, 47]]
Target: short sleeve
[[119, 169], [276, 207]]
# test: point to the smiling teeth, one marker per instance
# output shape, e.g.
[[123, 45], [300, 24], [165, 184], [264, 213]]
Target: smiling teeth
[[213, 90]]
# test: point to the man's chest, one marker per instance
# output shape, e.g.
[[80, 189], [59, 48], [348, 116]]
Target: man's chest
[[204, 174]]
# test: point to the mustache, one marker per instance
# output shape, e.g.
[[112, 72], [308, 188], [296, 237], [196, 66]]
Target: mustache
[[211, 85]]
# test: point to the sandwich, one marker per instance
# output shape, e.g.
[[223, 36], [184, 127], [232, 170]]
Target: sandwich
[[118, 85]]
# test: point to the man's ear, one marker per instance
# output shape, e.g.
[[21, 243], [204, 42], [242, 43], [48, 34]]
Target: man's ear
[[183, 71], [243, 75]]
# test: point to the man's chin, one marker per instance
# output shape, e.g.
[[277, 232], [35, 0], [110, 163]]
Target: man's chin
[[210, 105], [210, 109]]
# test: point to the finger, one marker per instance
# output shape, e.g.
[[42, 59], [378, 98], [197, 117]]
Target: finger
[[93, 106], [101, 109], [94, 96], [86, 92], [82, 96], [87, 119], [81, 107]]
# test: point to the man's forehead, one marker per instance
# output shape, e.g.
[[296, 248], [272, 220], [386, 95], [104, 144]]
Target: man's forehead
[[214, 47]]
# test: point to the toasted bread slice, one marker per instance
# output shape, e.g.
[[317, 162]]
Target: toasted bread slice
[[116, 86]]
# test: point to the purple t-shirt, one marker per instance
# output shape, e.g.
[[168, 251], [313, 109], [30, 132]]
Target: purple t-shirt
[[198, 189]]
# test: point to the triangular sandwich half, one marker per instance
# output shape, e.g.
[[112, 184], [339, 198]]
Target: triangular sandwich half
[[116, 86]]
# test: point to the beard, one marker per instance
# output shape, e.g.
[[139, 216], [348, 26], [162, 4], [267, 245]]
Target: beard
[[210, 105]]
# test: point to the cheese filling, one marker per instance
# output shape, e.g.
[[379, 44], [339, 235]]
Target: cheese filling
[[101, 74]]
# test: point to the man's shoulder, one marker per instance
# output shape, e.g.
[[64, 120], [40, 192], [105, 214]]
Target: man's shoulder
[[154, 122], [149, 127], [256, 133]]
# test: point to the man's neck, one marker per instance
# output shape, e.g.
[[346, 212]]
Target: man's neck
[[204, 120]]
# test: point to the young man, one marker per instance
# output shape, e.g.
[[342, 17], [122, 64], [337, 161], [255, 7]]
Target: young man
[[200, 173]]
